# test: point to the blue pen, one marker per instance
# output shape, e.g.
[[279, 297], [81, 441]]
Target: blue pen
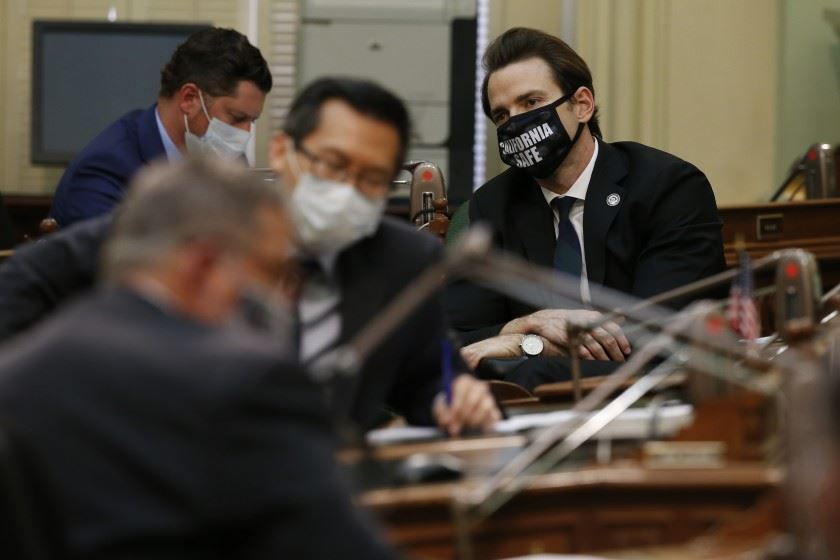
[[446, 366]]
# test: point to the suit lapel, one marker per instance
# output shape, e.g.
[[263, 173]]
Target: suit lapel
[[534, 220], [604, 198], [362, 288]]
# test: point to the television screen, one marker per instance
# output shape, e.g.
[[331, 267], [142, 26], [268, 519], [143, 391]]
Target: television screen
[[85, 75]]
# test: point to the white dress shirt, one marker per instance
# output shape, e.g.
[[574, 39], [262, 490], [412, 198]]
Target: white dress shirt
[[578, 191], [172, 151]]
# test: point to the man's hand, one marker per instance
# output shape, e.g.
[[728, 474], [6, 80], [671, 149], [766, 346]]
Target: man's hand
[[606, 342], [472, 406]]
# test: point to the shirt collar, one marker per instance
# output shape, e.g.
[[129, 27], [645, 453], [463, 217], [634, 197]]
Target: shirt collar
[[581, 185], [172, 151]]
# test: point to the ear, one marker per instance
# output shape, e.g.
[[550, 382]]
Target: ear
[[277, 156], [200, 260], [584, 104], [188, 100]]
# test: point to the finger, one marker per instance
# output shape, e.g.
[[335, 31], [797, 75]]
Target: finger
[[594, 347], [609, 344], [441, 411], [472, 391], [615, 330], [460, 396], [585, 354], [470, 357], [485, 413]]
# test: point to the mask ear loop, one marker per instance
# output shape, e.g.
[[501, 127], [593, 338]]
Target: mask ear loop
[[577, 134], [203, 106], [204, 110]]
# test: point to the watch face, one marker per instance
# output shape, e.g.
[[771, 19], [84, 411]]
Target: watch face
[[532, 345]]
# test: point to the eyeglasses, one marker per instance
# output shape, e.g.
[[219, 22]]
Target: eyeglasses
[[372, 183]]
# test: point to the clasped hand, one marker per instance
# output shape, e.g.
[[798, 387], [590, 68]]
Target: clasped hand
[[605, 342]]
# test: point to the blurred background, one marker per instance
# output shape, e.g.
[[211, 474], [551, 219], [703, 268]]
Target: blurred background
[[739, 88]]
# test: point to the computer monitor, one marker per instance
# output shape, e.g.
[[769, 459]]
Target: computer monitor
[[85, 75]]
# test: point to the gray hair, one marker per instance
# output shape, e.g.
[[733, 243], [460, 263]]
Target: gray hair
[[169, 204]]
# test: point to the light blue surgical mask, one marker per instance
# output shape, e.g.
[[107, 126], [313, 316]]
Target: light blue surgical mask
[[220, 140], [329, 215]]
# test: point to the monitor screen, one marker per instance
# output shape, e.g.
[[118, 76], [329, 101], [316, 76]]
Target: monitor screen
[[85, 75]]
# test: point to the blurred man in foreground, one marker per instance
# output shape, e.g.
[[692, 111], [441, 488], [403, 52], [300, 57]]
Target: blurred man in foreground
[[164, 428], [211, 92], [341, 147]]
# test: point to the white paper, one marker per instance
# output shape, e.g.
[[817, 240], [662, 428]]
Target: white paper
[[631, 424]]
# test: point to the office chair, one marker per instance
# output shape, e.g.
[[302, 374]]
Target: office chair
[[7, 235], [26, 532]]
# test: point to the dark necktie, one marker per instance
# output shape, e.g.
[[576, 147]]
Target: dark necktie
[[567, 256]]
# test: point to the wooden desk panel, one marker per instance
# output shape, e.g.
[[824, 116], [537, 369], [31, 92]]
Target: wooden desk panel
[[582, 511], [812, 225]]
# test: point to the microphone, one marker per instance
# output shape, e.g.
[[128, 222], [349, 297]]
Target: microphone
[[798, 294]]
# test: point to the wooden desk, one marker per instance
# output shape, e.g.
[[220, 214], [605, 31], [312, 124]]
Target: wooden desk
[[809, 224], [564, 390], [598, 508]]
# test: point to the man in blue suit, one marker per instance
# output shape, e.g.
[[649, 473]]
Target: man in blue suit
[[211, 91]]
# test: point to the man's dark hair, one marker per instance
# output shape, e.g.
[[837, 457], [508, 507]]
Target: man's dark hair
[[215, 60], [366, 97], [521, 43]]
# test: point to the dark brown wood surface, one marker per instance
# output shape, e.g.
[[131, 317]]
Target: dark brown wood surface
[[812, 225], [593, 509]]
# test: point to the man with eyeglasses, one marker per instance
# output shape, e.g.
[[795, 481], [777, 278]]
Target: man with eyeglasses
[[211, 91], [343, 143]]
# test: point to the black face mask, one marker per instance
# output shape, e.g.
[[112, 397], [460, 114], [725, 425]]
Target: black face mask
[[536, 141]]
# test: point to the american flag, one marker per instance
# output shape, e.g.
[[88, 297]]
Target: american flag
[[741, 311]]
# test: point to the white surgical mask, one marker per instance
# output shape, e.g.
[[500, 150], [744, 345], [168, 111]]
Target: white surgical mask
[[220, 140], [329, 216]]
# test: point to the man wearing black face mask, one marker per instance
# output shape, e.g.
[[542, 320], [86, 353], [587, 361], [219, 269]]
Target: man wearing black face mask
[[619, 214]]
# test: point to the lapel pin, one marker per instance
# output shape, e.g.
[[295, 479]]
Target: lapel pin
[[613, 199]]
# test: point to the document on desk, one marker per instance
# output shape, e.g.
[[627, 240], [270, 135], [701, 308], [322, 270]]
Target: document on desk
[[636, 423]]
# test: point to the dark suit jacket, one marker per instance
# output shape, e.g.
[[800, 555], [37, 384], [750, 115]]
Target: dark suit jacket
[[163, 438], [402, 374], [664, 232], [45, 274], [96, 180]]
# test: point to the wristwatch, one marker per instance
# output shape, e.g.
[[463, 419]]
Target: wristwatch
[[532, 345]]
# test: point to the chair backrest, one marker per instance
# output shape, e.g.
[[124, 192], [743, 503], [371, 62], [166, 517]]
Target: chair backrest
[[7, 234], [459, 223], [25, 528]]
